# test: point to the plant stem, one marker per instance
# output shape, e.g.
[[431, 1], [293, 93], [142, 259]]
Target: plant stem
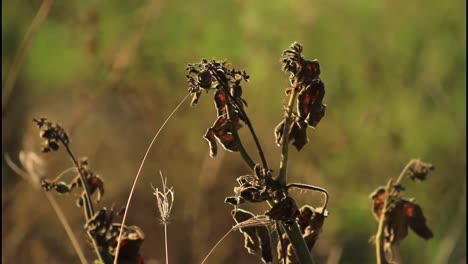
[[294, 233], [298, 243], [254, 135], [165, 242], [138, 175], [378, 236], [313, 188], [403, 172], [84, 181], [102, 255], [388, 190], [282, 176], [245, 156]]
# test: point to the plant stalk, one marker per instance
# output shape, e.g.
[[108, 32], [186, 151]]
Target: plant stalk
[[254, 135], [165, 242], [245, 156], [282, 176], [388, 190], [103, 256]]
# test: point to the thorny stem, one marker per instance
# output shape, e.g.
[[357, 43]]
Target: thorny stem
[[229, 110], [89, 209], [283, 176], [388, 189]]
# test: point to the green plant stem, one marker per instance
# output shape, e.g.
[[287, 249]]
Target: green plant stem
[[298, 243], [102, 255], [294, 233], [282, 176]]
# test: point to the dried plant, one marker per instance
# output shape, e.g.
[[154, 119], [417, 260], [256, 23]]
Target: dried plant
[[260, 186], [33, 171], [165, 200], [99, 225], [396, 214]]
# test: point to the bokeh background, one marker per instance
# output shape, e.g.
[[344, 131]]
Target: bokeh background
[[111, 71]]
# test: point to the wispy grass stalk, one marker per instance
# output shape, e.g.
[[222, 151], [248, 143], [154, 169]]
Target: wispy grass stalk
[[165, 200]]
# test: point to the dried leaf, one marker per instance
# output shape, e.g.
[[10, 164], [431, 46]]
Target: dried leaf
[[378, 197], [279, 132], [220, 102], [298, 134], [195, 98], [210, 137], [284, 210], [255, 237], [416, 220]]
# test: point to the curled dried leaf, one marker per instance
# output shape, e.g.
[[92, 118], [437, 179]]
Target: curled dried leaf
[[256, 238]]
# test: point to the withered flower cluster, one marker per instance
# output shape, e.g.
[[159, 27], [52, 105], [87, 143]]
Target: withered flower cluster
[[99, 226], [400, 213], [106, 232], [215, 75], [305, 80], [259, 185]]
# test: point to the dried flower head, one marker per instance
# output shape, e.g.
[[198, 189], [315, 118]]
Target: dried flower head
[[304, 78], [52, 133], [419, 170], [226, 82], [165, 200]]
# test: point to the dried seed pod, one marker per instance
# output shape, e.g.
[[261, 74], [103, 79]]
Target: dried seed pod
[[61, 187]]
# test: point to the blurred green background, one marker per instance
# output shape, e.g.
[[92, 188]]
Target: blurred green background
[[111, 71]]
